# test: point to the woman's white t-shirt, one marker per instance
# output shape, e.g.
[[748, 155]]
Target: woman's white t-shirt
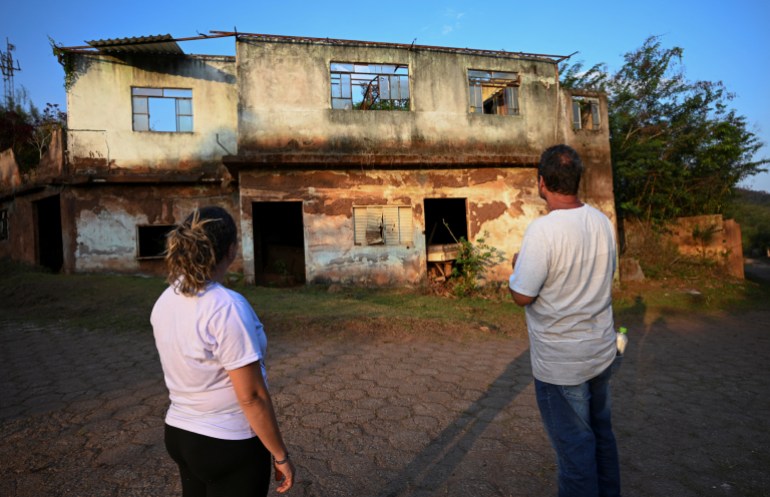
[[199, 339]]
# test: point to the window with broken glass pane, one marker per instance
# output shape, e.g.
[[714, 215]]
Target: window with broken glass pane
[[494, 92], [162, 109], [362, 86]]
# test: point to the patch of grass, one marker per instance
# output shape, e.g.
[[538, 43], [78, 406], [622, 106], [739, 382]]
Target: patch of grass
[[123, 303]]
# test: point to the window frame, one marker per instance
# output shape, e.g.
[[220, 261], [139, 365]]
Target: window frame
[[385, 225], [579, 103], [506, 96], [141, 98], [345, 77]]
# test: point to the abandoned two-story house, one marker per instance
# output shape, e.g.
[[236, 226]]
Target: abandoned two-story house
[[343, 161]]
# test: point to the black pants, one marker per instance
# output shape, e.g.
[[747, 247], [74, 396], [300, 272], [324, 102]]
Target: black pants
[[211, 467]]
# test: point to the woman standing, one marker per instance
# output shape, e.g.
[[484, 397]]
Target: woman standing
[[221, 428]]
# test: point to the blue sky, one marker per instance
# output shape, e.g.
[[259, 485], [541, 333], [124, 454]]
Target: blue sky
[[726, 41]]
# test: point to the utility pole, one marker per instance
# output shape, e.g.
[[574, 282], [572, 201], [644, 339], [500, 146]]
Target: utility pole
[[8, 68]]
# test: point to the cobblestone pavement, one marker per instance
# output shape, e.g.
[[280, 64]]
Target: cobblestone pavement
[[81, 413]]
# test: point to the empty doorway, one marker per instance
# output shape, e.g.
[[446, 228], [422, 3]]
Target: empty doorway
[[279, 243], [446, 221], [50, 250]]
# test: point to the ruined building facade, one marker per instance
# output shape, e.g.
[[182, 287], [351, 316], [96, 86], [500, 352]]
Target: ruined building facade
[[343, 161]]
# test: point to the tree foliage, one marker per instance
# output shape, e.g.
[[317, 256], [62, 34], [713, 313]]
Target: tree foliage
[[677, 147], [28, 132]]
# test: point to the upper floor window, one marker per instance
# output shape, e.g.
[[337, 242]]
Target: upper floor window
[[585, 113], [162, 109], [369, 86], [494, 92]]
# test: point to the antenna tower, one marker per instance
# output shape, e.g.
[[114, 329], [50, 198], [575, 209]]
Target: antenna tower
[[8, 68]]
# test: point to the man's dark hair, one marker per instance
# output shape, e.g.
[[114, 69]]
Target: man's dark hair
[[561, 168]]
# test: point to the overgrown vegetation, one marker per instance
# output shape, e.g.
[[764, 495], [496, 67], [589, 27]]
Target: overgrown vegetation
[[677, 147], [473, 260], [28, 131], [752, 211]]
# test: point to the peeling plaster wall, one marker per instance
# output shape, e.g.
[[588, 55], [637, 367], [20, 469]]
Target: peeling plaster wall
[[105, 221], [500, 201], [285, 103], [99, 113]]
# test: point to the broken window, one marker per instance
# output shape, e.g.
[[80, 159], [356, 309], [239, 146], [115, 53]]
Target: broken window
[[494, 92], [585, 113], [162, 109], [382, 225], [3, 224], [151, 240], [369, 86]]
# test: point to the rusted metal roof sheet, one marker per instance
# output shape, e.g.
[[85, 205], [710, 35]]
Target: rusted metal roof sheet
[[158, 44]]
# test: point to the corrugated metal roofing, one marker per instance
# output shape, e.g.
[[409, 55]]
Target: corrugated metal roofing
[[158, 44]]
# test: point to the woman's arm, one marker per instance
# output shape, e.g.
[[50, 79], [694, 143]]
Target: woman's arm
[[252, 395]]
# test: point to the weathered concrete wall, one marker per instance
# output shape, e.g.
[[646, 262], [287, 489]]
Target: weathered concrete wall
[[285, 103], [99, 223], [501, 201], [99, 113], [9, 171], [20, 244], [105, 220], [358, 157]]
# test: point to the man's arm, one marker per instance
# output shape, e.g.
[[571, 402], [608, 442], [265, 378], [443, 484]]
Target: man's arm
[[519, 298]]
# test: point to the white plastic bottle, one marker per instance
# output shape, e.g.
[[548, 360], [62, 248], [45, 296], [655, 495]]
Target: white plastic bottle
[[622, 338]]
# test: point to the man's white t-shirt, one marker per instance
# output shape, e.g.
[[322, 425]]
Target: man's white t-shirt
[[199, 339], [567, 261]]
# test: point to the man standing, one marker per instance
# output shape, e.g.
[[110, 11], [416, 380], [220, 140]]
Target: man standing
[[563, 276]]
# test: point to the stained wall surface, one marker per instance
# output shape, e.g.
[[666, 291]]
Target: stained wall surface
[[99, 113]]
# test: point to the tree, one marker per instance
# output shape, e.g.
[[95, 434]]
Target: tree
[[44, 126], [28, 132], [677, 147]]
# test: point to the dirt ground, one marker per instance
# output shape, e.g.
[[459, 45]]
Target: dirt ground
[[81, 411]]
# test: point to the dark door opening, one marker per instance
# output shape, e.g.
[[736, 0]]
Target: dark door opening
[[279, 243], [446, 222], [445, 217], [50, 250]]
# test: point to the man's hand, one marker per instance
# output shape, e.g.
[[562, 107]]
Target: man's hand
[[513, 261]]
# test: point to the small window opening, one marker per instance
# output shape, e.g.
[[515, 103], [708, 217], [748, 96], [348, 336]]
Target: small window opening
[[494, 92], [585, 113], [162, 109], [151, 240]]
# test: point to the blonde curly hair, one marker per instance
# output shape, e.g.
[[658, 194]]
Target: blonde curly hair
[[196, 246]]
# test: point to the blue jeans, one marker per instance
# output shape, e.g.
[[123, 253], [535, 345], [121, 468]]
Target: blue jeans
[[577, 420]]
